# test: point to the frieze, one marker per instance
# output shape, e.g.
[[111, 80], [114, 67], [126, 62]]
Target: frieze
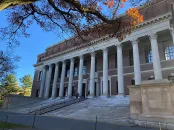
[[95, 42]]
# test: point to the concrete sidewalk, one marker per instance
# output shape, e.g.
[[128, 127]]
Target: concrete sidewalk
[[18, 129], [101, 126]]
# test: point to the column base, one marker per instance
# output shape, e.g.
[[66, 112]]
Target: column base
[[53, 97], [61, 97], [120, 96], [104, 96], [45, 98], [69, 97], [91, 96]]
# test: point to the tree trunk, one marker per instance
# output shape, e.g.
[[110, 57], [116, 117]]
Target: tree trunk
[[8, 3]]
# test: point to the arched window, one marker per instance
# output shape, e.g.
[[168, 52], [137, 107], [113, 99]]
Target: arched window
[[40, 76], [169, 52]]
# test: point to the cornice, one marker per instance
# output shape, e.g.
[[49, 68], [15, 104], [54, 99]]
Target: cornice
[[38, 64], [154, 20], [104, 38]]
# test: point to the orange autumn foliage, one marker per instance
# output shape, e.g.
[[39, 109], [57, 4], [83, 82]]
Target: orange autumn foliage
[[133, 13], [135, 16]]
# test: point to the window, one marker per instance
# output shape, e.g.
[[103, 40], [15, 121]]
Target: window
[[95, 64], [148, 54], [40, 76], [68, 73], [131, 60], [76, 71], [84, 70], [169, 52]]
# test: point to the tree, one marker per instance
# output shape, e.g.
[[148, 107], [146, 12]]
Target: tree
[[7, 64], [10, 84], [70, 17], [27, 82]]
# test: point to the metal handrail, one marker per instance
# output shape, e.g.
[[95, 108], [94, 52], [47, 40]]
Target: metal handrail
[[64, 103], [41, 108], [45, 103]]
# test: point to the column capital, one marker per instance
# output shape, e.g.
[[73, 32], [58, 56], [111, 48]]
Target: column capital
[[105, 49], [57, 63], [72, 59], [134, 41], [93, 54], [81, 56], [50, 65], [44, 67], [119, 46], [153, 36], [64, 62]]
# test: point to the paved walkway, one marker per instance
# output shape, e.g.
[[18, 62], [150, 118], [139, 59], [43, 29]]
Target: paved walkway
[[101, 126], [110, 110], [19, 129]]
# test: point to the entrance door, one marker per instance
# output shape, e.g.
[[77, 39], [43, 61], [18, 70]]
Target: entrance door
[[73, 91], [57, 92], [83, 90], [37, 93], [95, 89], [65, 91], [109, 88], [116, 87], [50, 91]]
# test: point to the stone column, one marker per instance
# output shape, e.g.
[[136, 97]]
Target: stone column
[[80, 80], [105, 72], [70, 83], [48, 81], [42, 82], [61, 90], [92, 75], [137, 71], [120, 70], [172, 33], [155, 56], [54, 90]]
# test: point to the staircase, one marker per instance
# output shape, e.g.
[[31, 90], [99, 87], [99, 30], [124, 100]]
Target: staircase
[[45, 108]]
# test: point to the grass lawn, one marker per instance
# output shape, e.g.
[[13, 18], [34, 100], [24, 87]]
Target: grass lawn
[[0, 103], [7, 125]]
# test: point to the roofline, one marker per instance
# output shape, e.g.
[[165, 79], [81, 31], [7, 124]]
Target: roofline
[[141, 7]]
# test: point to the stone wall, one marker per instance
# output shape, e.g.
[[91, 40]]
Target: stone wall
[[152, 101], [17, 100]]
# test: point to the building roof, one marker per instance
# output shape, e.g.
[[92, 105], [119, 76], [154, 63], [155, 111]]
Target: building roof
[[155, 9]]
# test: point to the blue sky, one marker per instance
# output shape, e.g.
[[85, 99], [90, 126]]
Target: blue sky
[[30, 47]]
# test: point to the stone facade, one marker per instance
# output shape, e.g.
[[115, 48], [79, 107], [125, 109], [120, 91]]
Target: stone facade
[[105, 66], [152, 102]]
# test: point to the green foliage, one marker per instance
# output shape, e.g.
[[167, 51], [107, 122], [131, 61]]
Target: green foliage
[[1, 103], [26, 86], [7, 125], [10, 84]]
